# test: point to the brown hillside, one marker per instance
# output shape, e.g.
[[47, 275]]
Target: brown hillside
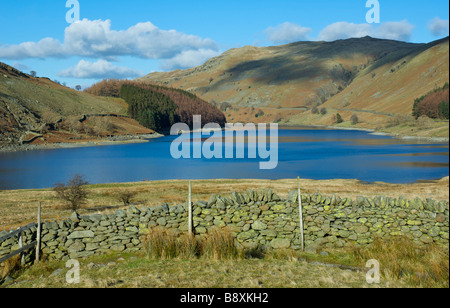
[[372, 78], [31, 107]]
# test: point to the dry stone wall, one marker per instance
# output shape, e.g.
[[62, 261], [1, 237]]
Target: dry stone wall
[[258, 220]]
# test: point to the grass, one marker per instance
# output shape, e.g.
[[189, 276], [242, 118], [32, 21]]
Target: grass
[[402, 259], [166, 244], [171, 260]]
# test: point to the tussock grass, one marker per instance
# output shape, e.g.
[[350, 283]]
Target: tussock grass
[[402, 259], [219, 245], [167, 244], [10, 266]]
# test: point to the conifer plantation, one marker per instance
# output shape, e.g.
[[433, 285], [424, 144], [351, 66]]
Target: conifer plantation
[[157, 107]]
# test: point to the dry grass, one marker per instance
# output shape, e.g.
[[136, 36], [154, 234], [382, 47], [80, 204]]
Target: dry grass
[[137, 271], [19, 207], [166, 244], [402, 259]]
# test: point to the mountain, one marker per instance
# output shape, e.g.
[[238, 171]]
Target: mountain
[[374, 79], [40, 111]]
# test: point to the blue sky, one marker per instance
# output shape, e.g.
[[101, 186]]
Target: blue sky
[[126, 39]]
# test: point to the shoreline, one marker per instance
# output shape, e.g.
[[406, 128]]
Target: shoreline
[[374, 132], [116, 140], [129, 139]]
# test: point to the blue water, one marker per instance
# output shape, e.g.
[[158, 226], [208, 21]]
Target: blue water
[[308, 153]]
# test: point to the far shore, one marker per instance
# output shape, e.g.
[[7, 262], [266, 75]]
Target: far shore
[[116, 140], [119, 140]]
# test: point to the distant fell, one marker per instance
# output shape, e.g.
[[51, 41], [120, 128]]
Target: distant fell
[[375, 79]]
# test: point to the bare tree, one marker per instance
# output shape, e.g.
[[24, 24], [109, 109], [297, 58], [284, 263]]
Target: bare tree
[[126, 196], [74, 193], [354, 119]]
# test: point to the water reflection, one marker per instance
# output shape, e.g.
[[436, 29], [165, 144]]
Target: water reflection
[[305, 152]]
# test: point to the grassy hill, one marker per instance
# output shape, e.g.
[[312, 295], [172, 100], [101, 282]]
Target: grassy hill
[[375, 79], [31, 107]]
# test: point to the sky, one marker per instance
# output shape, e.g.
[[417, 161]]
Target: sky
[[129, 39]]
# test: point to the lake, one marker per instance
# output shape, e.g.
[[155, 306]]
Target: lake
[[310, 153]]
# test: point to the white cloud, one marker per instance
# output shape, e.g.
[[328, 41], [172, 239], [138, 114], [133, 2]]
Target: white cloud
[[395, 30], [96, 39], [99, 70], [344, 30], [188, 58], [401, 30], [287, 33], [47, 47], [438, 27]]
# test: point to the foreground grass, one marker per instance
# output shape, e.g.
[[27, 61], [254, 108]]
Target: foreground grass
[[168, 261], [138, 271]]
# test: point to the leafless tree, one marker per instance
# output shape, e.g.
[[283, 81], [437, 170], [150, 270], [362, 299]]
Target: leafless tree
[[74, 192]]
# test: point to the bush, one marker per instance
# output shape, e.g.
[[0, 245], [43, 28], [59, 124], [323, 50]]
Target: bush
[[338, 119], [434, 104], [74, 193], [126, 196]]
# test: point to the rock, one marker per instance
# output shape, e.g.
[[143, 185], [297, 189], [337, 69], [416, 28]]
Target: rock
[[440, 217], [133, 210], [81, 234], [361, 229], [258, 225], [161, 221], [426, 239], [118, 248], [75, 217], [56, 272], [280, 243], [76, 247], [434, 231]]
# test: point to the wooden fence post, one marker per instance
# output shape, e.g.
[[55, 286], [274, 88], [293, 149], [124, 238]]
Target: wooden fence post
[[38, 234], [300, 210], [22, 256], [190, 209]]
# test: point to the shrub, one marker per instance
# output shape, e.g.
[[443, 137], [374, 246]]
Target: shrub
[[74, 193], [434, 104], [126, 196]]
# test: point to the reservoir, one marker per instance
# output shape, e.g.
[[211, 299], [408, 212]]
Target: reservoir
[[310, 153]]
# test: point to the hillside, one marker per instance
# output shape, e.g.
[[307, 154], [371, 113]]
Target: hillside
[[39, 111], [375, 79]]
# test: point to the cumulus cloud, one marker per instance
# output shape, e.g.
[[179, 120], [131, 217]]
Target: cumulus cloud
[[96, 39], [188, 58], [438, 27], [287, 33], [396, 30], [98, 70], [401, 30]]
